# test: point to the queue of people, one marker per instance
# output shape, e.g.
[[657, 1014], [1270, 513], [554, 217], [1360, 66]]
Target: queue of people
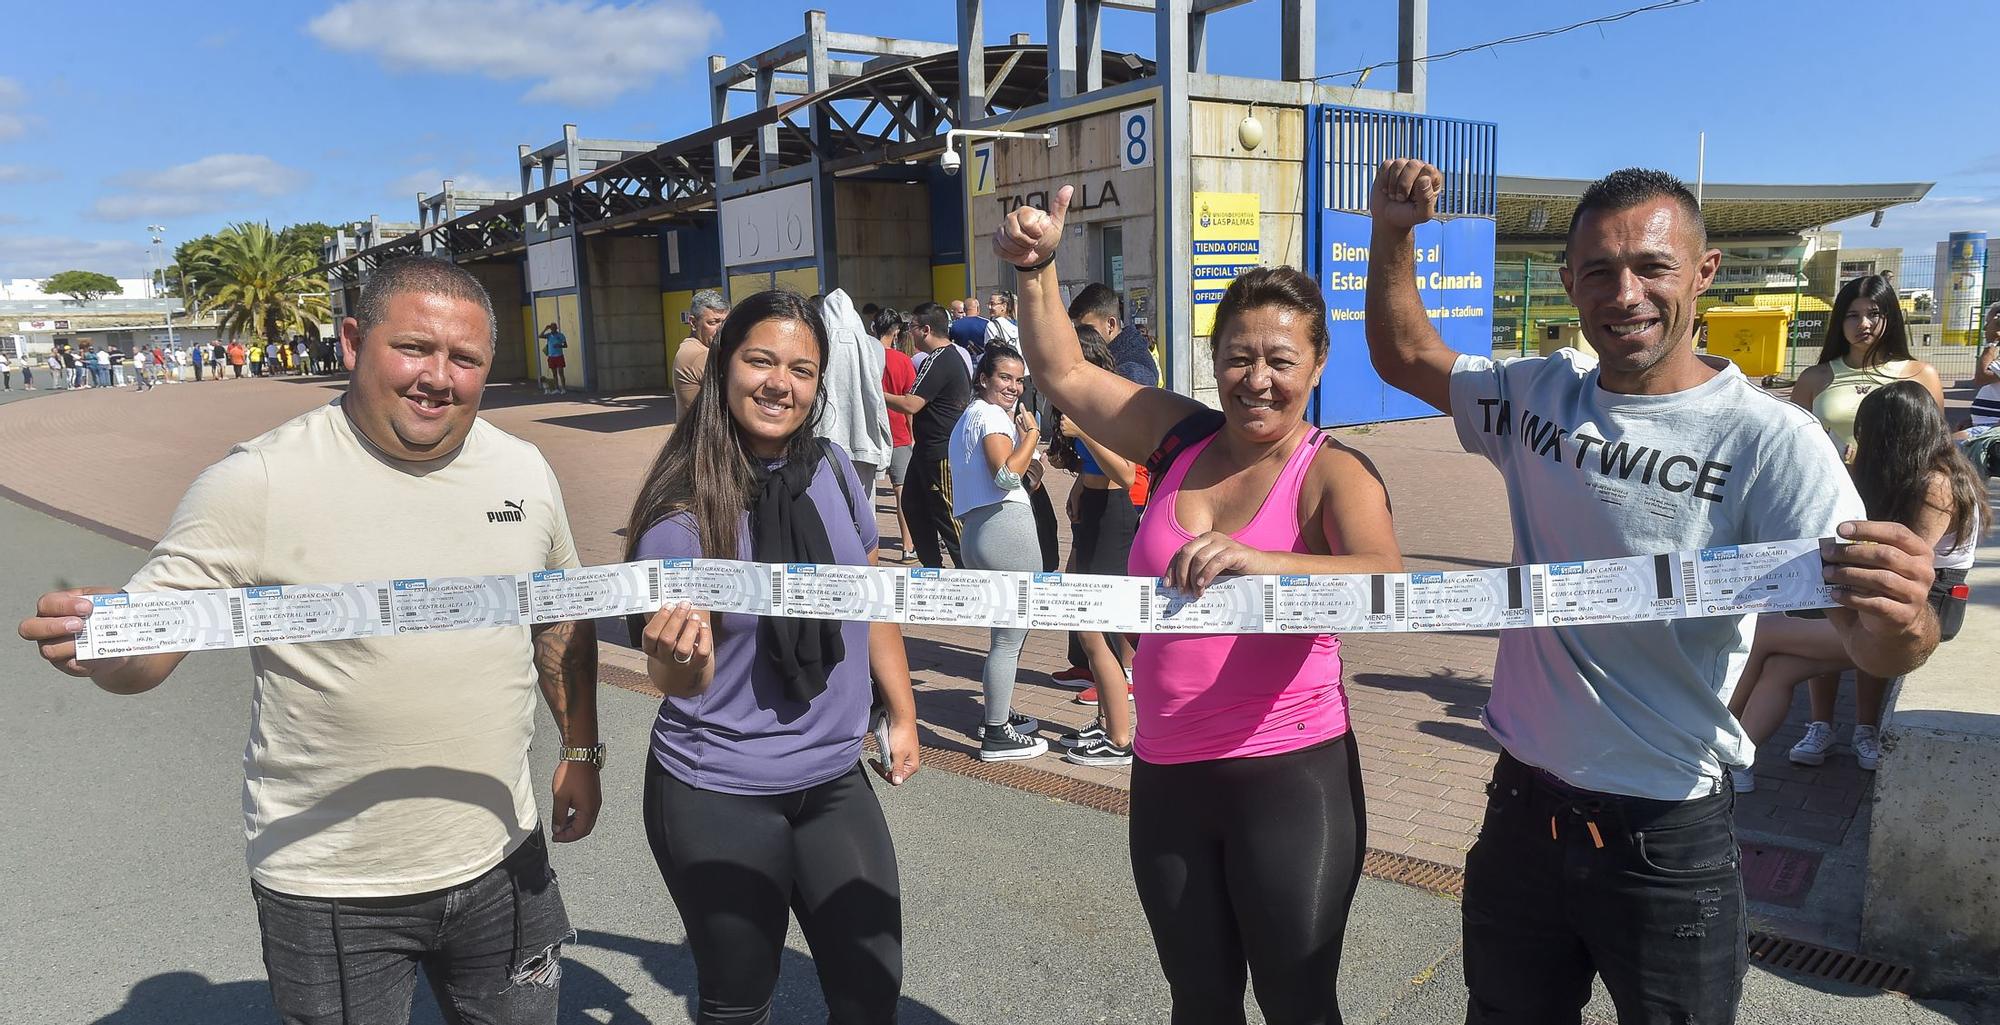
[[1608, 827], [82, 364]]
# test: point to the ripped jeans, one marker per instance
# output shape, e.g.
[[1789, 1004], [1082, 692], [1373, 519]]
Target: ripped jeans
[[1564, 884], [490, 947]]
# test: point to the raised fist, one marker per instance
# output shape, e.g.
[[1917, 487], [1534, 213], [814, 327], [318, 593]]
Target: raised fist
[[1405, 193]]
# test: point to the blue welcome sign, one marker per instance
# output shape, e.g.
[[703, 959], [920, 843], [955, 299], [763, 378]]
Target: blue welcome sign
[[1455, 278]]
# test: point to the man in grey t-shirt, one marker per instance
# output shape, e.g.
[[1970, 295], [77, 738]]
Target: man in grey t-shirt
[[1608, 846]]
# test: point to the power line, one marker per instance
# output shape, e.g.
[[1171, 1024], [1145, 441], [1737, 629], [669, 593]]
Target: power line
[[1663, 5]]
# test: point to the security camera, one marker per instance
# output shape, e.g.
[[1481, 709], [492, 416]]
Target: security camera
[[950, 161]]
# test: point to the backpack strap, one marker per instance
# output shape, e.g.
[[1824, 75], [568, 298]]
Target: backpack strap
[[846, 489], [1193, 428]]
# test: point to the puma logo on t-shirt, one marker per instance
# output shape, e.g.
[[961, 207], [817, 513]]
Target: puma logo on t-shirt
[[514, 512]]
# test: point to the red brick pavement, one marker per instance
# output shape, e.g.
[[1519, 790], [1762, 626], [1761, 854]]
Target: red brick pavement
[[123, 459]]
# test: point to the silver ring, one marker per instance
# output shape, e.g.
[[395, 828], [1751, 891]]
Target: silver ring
[[683, 660]]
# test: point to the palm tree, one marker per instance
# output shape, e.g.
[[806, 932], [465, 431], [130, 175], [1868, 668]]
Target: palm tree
[[257, 282]]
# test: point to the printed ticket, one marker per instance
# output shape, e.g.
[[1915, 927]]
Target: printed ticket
[[1339, 603], [1629, 590], [1230, 605], [298, 613], [1486, 599], [629, 588], [1778, 576], [720, 585], [429, 604], [150, 622], [1080, 601], [952, 597], [866, 593]]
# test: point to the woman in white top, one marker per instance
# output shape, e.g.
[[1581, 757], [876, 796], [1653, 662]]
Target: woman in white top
[[1907, 470], [1000, 327], [992, 456]]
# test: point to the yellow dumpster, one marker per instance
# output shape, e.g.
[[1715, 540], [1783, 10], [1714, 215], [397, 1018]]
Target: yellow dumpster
[[1564, 334], [1751, 338]]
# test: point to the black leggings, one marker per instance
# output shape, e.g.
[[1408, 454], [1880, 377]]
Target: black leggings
[[1250, 862], [734, 864]]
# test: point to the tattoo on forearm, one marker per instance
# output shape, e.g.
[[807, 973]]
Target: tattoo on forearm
[[566, 670]]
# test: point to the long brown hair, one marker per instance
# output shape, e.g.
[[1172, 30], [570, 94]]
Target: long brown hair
[[1901, 442], [705, 469]]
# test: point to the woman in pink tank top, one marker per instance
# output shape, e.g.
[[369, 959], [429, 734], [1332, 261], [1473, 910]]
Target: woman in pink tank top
[[1247, 827]]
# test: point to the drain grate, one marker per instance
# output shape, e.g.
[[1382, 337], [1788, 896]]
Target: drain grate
[[1443, 880], [625, 679], [1827, 963], [1029, 780]]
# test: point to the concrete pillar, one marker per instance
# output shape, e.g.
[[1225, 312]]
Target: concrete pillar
[[971, 61], [1297, 24], [767, 136], [1090, 44], [1413, 38], [718, 112], [1173, 318], [1062, 48]]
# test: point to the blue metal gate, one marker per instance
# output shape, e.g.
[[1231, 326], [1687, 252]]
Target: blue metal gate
[[1344, 146]]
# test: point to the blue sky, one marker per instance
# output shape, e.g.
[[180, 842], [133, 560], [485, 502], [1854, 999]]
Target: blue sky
[[193, 116]]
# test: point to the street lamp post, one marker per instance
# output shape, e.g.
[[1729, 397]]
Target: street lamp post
[[156, 266]]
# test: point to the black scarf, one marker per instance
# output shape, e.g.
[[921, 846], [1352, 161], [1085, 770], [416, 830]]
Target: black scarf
[[785, 527]]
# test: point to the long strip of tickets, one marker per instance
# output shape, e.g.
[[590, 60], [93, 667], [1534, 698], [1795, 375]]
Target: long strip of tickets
[[1777, 576]]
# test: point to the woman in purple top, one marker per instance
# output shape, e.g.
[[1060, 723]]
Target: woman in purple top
[[755, 802]]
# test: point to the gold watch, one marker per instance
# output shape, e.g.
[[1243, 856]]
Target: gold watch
[[594, 755]]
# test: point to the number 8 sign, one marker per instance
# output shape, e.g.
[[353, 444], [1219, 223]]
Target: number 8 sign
[[1135, 139]]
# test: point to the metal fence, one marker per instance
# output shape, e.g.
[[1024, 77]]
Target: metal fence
[[1943, 311], [1353, 142]]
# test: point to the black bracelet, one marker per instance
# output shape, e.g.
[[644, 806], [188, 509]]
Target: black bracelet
[[1051, 258]]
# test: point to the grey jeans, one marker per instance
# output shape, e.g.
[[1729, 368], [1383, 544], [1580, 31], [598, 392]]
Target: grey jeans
[[491, 949], [1001, 536]]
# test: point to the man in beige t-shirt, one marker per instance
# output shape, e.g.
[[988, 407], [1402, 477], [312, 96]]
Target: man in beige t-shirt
[[386, 778], [705, 318]]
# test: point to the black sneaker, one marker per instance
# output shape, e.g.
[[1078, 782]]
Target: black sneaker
[[1025, 725], [1099, 752], [1085, 736], [1005, 743]]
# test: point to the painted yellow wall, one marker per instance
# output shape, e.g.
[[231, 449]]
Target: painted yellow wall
[[563, 310], [947, 282], [534, 363], [673, 311], [803, 280]]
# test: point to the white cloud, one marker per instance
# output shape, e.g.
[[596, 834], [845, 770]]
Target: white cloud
[[430, 181], [575, 51], [38, 256], [22, 174], [12, 125], [212, 183]]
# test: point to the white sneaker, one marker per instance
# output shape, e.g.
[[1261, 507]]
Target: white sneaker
[[1867, 747], [1743, 780], [1812, 748]]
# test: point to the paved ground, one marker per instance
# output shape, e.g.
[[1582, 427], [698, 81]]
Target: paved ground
[[126, 902]]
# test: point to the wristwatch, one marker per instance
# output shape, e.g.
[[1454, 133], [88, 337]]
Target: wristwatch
[[594, 755]]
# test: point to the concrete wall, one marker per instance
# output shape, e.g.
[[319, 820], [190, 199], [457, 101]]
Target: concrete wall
[[628, 338], [1934, 833], [1275, 171], [503, 281], [883, 233]]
